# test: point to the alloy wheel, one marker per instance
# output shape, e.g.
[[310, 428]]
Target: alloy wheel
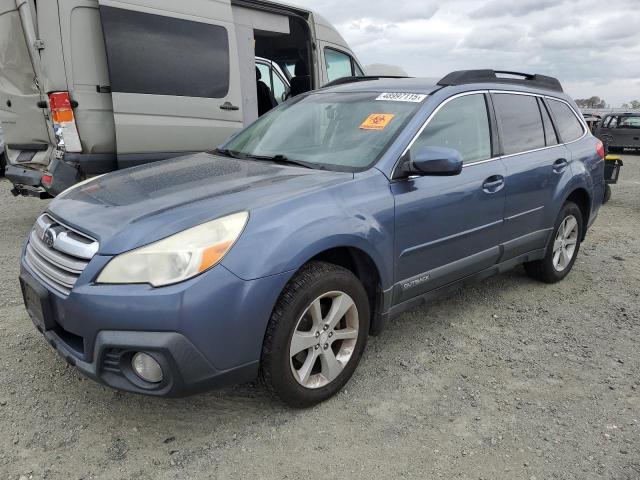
[[324, 339], [564, 246]]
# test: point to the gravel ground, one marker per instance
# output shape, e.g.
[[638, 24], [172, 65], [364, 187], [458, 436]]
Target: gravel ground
[[509, 379]]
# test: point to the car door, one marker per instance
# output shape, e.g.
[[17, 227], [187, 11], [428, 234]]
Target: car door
[[537, 164], [174, 73], [450, 227]]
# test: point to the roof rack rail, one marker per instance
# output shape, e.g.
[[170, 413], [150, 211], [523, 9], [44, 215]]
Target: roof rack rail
[[345, 80], [463, 77]]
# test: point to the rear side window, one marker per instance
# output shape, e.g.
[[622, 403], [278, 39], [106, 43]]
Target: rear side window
[[520, 123], [461, 124], [549, 133], [159, 55], [568, 125]]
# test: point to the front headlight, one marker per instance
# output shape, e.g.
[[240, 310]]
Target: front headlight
[[179, 257]]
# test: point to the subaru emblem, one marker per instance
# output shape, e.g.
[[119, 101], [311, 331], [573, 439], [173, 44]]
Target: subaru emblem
[[49, 237]]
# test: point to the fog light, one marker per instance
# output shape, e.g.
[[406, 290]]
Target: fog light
[[147, 368]]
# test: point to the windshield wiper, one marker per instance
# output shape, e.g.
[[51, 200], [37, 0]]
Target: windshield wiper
[[284, 160], [226, 153]]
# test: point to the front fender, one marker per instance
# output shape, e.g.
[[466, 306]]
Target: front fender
[[283, 237]]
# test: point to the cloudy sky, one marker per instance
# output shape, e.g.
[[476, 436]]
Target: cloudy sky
[[593, 46]]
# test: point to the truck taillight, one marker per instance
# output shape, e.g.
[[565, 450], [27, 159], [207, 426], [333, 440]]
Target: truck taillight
[[600, 150], [64, 122]]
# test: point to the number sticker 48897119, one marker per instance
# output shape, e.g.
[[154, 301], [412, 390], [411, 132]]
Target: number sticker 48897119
[[401, 97]]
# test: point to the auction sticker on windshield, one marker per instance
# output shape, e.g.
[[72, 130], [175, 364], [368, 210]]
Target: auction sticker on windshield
[[401, 97], [377, 121]]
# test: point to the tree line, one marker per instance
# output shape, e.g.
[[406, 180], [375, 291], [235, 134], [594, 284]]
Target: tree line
[[597, 102]]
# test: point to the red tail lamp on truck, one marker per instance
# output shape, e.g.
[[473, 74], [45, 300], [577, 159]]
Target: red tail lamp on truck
[[64, 123]]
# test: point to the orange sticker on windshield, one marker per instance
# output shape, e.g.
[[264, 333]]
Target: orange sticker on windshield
[[377, 121]]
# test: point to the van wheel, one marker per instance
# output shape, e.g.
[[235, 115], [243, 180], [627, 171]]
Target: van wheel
[[316, 335], [563, 249]]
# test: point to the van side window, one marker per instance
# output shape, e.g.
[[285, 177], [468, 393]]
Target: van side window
[[461, 124], [549, 133], [569, 127], [340, 65], [520, 122], [158, 55]]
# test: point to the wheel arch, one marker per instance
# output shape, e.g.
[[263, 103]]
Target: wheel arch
[[581, 197]]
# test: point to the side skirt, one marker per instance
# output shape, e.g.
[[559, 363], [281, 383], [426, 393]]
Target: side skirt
[[445, 290]]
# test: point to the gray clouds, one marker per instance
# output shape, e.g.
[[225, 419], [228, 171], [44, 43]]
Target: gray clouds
[[591, 45]]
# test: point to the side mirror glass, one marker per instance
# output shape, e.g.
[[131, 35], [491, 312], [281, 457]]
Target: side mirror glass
[[435, 161]]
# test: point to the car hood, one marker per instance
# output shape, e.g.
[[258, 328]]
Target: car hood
[[137, 206]]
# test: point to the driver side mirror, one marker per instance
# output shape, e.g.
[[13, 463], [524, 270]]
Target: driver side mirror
[[434, 161]]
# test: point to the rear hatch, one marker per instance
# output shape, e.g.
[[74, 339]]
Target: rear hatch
[[27, 133]]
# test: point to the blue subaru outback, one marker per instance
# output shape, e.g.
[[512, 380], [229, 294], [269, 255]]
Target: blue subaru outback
[[277, 255]]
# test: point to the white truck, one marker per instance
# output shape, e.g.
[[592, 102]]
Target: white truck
[[92, 86]]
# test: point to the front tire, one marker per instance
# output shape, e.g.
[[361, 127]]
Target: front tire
[[564, 247], [316, 335]]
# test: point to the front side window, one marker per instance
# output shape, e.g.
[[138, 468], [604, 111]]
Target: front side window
[[334, 131], [158, 55], [568, 125], [520, 122], [461, 124], [339, 64]]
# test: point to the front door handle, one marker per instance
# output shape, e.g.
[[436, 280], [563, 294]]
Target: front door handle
[[493, 184], [229, 106], [560, 165]]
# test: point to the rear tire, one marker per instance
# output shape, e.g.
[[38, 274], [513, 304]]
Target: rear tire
[[316, 335], [607, 194], [3, 164], [563, 248]]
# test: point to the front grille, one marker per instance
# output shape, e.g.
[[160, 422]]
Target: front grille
[[58, 254]]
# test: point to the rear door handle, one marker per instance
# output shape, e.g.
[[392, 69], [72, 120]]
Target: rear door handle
[[493, 184], [228, 106], [560, 165]]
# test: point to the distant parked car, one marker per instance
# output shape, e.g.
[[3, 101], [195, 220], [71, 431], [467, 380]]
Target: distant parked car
[[619, 131], [278, 254], [592, 120]]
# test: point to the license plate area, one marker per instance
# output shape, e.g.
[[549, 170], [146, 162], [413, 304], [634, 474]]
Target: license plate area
[[38, 304]]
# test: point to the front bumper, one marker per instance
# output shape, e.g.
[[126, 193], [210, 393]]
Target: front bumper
[[205, 333]]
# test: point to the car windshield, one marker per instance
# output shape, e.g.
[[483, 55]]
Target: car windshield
[[334, 131]]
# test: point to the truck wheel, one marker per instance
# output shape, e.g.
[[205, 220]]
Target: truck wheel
[[563, 249], [316, 335]]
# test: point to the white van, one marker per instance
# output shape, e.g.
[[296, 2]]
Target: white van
[[92, 86]]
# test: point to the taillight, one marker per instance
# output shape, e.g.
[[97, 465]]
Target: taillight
[[64, 122], [46, 180], [600, 150]]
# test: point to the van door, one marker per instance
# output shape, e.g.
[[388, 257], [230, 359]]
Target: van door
[[174, 75], [27, 135]]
